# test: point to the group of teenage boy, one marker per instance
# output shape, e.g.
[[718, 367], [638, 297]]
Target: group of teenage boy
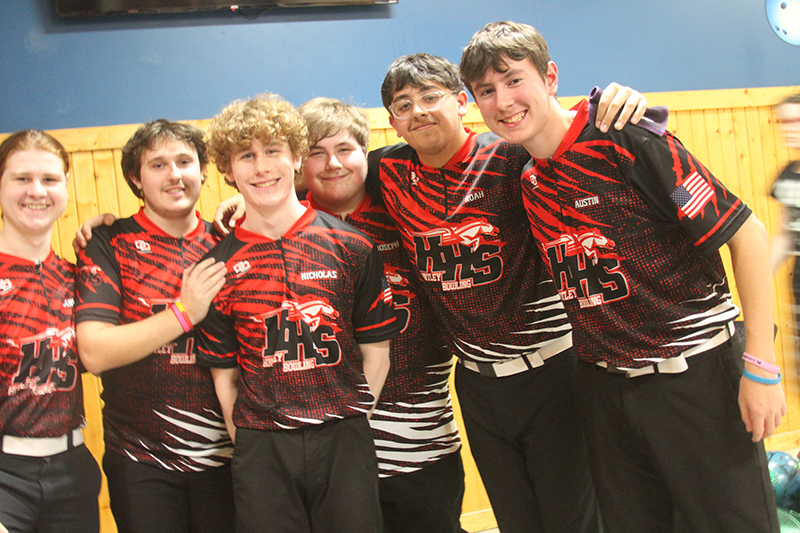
[[572, 269]]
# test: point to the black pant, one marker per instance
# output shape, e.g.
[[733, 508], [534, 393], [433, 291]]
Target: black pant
[[673, 447], [321, 478], [55, 494], [146, 499], [427, 500], [526, 439]]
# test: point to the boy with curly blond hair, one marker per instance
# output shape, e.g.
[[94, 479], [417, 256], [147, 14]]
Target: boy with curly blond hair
[[297, 339]]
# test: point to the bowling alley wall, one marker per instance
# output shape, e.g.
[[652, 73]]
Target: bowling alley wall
[[732, 131]]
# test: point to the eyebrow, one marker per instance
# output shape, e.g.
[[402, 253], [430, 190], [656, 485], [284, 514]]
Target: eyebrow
[[507, 74], [406, 95], [165, 158]]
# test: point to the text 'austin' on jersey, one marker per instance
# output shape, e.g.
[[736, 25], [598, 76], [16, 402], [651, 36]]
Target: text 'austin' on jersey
[[630, 223]]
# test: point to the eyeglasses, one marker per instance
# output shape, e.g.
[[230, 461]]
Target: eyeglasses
[[427, 102]]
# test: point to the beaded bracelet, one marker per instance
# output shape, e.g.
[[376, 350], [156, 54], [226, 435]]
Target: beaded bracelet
[[182, 316], [769, 367], [763, 381]]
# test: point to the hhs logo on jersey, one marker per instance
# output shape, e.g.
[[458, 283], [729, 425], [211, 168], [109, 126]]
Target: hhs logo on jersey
[[585, 267], [48, 363], [301, 335], [460, 256]]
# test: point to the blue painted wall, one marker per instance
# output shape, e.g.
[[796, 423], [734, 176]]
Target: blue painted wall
[[57, 73]]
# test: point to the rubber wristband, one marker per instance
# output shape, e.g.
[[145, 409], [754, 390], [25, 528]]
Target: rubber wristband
[[769, 367], [184, 314], [183, 318], [763, 381]]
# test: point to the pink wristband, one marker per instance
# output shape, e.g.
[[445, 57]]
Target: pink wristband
[[182, 316], [769, 367]]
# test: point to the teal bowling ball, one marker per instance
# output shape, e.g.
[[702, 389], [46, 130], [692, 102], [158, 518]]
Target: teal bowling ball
[[789, 521], [782, 470]]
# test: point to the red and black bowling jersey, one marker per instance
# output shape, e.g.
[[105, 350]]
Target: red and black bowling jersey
[[42, 394], [630, 224], [291, 315], [413, 421], [162, 410], [465, 230]]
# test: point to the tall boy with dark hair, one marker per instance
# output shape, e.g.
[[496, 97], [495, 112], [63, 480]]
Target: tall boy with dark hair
[[140, 292], [456, 198], [629, 224], [298, 338]]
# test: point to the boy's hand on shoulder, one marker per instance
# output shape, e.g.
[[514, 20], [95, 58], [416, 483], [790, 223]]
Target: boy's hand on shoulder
[[201, 283], [228, 212], [84, 233], [617, 97]]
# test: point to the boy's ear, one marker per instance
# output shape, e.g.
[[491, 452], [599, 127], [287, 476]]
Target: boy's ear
[[552, 79], [394, 125], [462, 99], [229, 179]]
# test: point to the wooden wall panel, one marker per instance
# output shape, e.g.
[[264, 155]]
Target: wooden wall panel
[[731, 131]]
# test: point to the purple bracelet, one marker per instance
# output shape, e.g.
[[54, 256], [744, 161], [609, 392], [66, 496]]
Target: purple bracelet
[[769, 367]]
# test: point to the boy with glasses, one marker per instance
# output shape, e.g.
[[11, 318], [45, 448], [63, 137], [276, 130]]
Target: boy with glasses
[[456, 199]]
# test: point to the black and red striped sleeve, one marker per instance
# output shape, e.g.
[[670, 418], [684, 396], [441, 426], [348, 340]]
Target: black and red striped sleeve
[[99, 282]]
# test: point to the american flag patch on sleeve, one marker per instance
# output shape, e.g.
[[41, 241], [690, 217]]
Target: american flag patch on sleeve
[[693, 195], [387, 290]]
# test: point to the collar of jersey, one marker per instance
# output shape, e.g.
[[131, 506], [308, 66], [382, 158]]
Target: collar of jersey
[[364, 205], [16, 260], [575, 129], [151, 227], [249, 236], [461, 155]]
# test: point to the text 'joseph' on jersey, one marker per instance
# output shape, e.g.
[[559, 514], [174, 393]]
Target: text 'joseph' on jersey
[[465, 230], [291, 315], [42, 394], [413, 422], [630, 224], [161, 410]]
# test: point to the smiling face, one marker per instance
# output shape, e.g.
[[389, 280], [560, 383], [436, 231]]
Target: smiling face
[[335, 171], [517, 104], [435, 134], [33, 192], [170, 179], [264, 174]]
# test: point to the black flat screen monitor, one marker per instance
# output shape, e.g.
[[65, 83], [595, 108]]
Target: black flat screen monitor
[[77, 8]]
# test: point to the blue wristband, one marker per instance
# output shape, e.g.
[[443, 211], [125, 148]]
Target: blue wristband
[[763, 381]]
